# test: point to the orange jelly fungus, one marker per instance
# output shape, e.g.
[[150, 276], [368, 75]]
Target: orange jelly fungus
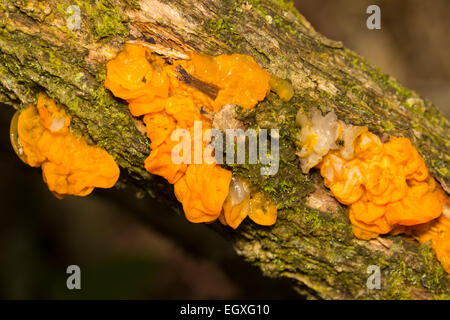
[[69, 165], [261, 210], [439, 234], [387, 186], [169, 96], [281, 87], [234, 213], [201, 179], [242, 202]]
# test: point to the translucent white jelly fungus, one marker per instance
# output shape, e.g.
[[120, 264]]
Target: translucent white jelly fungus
[[239, 190], [319, 134]]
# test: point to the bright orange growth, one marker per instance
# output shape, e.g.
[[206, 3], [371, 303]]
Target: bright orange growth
[[69, 165], [261, 210], [203, 190], [146, 82], [241, 202], [152, 88], [234, 214], [157, 90], [240, 79], [439, 234], [386, 185], [281, 87]]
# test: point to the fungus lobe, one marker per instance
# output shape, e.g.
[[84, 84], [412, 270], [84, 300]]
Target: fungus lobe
[[69, 165], [171, 96]]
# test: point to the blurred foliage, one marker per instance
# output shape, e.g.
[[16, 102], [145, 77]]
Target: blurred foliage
[[412, 46]]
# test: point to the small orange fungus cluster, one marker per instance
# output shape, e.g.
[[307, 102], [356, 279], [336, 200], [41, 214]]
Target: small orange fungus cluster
[[387, 185], [242, 202], [41, 137], [438, 232], [177, 94], [281, 87]]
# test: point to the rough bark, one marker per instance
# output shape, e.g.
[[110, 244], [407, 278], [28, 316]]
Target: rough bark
[[314, 248]]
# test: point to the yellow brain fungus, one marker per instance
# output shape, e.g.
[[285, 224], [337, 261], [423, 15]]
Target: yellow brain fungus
[[281, 87], [69, 165], [242, 202], [387, 185], [240, 79], [171, 95], [200, 180], [320, 134], [146, 82], [13, 135], [233, 208], [261, 210]]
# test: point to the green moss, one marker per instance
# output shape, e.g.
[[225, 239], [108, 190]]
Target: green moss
[[256, 5], [95, 113], [444, 171], [380, 78], [104, 18], [388, 125], [289, 6], [223, 27], [223, 30], [270, 15], [34, 9], [289, 187], [435, 272], [108, 22], [396, 285]]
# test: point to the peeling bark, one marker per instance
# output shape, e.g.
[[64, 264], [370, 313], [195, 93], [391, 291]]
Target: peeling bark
[[311, 243]]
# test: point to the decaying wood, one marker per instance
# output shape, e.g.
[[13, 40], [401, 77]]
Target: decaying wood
[[311, 243]]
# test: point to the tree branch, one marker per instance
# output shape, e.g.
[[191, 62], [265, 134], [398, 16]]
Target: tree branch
[[314, 248]]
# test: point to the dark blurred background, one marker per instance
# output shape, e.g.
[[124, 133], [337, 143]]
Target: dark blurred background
[[413, 44], [130, 248]]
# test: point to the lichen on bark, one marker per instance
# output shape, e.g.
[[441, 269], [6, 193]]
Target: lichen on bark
[[314, 248]]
